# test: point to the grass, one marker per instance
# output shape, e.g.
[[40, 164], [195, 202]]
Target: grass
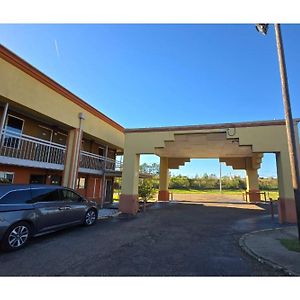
[[229, 192], [270, 194], [291, 244]]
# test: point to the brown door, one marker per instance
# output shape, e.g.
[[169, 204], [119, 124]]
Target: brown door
[[109, 191]]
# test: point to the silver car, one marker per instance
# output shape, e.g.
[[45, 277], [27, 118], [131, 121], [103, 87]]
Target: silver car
[[31, 210]]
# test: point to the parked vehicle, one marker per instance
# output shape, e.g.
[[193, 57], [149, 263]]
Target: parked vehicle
[[31, 210]]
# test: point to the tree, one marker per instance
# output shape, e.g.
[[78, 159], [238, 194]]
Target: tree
[[152, 169], [179, 182], [146, 190]]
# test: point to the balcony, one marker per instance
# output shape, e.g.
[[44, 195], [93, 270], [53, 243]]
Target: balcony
[[28, 151], [24, 150], [97, 164]]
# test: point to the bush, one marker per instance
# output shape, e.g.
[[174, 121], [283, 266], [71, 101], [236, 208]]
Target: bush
[[146, 189]]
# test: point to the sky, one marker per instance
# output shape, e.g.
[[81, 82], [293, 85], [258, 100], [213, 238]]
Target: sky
[[144, 75]]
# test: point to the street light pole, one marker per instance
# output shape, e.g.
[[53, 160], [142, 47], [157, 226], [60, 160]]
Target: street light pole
[[220, 183], [291, 137]]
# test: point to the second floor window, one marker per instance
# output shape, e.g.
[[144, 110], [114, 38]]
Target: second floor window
[[13, 130]]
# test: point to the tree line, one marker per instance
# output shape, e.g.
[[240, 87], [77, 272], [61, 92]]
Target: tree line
[[206, 182]]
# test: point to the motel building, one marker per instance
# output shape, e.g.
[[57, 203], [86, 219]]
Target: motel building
[[49, 135]]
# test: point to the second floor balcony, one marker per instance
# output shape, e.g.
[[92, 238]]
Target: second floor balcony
[[24, 150], [93, 163]]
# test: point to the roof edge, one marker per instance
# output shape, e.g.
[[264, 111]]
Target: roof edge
[[21, 64], [209, 126]]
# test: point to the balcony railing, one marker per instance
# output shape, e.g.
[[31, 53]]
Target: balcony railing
[[97, 162], [29, 148], [21, 149]]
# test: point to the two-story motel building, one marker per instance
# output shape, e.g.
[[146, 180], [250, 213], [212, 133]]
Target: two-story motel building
[[49, 135]]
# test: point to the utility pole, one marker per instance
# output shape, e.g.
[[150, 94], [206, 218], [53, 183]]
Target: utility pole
[[291, 138], [220, 178]]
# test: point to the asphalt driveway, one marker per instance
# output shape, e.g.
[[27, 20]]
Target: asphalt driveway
[[187, 239]]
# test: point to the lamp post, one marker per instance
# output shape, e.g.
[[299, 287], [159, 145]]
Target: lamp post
[[220, 182], [291, 138]]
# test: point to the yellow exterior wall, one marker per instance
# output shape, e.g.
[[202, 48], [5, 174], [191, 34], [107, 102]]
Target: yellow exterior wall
[[135, 144], [270, 139], [130, 176], [23, 89]]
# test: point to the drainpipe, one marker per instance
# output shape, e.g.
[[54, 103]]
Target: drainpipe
[[104, 178], [77, 150]]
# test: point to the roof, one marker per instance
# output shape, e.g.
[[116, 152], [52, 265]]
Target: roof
[[21, 64], [210, 126]]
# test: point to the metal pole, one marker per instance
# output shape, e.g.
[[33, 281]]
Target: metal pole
[[291, 138], [220, 178]]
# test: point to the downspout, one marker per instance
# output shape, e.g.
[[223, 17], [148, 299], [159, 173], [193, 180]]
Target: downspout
[[77, 150], [104, 178]]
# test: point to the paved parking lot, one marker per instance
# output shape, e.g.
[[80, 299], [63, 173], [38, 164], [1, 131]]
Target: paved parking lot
[[168, 239]]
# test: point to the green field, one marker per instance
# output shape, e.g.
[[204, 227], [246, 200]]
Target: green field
[[269, 194]]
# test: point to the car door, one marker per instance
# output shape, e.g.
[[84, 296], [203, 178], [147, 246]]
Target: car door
[[75, 206], [49, 208]]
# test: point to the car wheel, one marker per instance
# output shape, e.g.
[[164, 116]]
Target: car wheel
[[90, 217], [17, 236]]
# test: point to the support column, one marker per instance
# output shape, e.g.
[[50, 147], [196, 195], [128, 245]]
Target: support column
[[72, 155], [252, 185], [286, 207], [163, 194], [128, 202]]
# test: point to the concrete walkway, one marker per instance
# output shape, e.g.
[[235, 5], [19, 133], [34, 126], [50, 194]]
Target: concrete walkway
[[106, 213], [265, 246]]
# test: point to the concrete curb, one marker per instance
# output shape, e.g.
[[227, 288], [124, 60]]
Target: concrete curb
[[110, 216], [261, 259]]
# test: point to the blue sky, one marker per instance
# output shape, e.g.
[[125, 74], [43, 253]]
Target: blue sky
[[160, 75]]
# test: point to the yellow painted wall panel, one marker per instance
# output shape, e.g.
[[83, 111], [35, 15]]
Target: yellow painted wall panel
[[23, 89]]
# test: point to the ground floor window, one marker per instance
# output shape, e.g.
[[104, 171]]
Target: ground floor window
[[55, 179], [81, 183], [37, 179], [6, 177]]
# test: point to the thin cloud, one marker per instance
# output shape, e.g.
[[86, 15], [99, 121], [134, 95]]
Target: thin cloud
[[56, 48]]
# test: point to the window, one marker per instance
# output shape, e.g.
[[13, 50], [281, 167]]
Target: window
[[55, 179], [81, 183], [37, 179], [17, 197], [68, 195], [6, 177], [45, 195], [13, 130], [101, 151]]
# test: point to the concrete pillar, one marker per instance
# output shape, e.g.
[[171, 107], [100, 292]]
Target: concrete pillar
[[252, 185], [72, 158], [128, 202], [163, 194], [72, 155], [286, 207]]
